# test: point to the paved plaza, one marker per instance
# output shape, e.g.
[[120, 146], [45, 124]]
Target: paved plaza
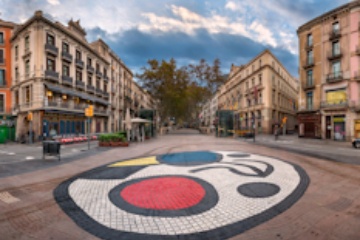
[[184, 186]]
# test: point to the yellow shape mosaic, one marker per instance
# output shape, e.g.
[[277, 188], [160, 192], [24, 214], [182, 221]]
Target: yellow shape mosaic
[[136, 162]]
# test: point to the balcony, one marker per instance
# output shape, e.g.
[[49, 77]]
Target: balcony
[[66, 80], [334, 34], [66, 56], [106, 94], [101, 111], [340, 104], [51, 49], [98, 74], [309, 84], [52, 75], [90, 69], [79, 63], [356, 106], [334, 77], [98, 92], [309, 63], [64, 105], [90, 88], [106, 78], [80, 84], [334, 55]]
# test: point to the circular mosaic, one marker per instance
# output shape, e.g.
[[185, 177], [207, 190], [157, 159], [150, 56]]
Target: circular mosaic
[[187, 195]]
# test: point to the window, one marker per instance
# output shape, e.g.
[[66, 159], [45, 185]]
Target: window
[[309, 78], [309, 100], [2, 103], [50, 39], [335, 48], [105, 73], [247, 85], [98, 83], [16, 74], [2, 77], [97, 67], [260, 63], [336, 68], [336, 27], [78, 55], [27, 43], [309, 40], [27, 94], [16, 52], [65, 70], [2, 60], [1, 38], [310, 57], [260, 79], [253, 81], [27, 68], [78, 75], [89, 61], [16, 98], [105, 87], [50, 64], [65, 47], [89, 80]]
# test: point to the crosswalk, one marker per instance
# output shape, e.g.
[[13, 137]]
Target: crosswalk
[[269, 140]]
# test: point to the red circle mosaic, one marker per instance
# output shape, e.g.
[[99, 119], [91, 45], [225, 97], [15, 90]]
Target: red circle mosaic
[[164, 193]]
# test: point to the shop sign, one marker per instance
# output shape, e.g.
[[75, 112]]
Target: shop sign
[[338, 119]]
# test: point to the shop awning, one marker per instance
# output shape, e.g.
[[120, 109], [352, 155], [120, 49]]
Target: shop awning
[[62, 90]]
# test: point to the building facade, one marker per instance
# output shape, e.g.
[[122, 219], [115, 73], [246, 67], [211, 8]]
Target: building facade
[[329, 101], [261, 93], [57, 74], [6, 31]]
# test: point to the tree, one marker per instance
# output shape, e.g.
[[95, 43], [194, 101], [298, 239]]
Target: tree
[[168, 84]]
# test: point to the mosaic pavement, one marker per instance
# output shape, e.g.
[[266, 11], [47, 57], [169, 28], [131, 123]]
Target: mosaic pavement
[[187, 195]]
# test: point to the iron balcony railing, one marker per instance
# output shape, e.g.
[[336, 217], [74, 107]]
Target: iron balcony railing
[[66, 56], [334, 34], [79, 63], [90, 88], [334, 54], [80, 84], [98, 91], [52, 75], [98, 74], [334, 77], [309, 62], [106, 78], [49, 48], [309, 84], [67, 80], [334, 104], [90, 69]]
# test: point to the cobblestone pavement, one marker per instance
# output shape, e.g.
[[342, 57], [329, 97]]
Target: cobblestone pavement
[[263, 195]]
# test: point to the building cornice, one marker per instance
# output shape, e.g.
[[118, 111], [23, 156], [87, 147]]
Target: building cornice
[[326, 16], [38, 17], [7, 24]]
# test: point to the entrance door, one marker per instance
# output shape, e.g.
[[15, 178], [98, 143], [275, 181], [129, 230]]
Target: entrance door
[[328, 127]]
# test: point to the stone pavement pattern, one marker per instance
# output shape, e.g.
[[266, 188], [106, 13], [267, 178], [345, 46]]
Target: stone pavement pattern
[[329, 209]]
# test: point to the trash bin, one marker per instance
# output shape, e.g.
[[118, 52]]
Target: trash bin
[[51, 148]]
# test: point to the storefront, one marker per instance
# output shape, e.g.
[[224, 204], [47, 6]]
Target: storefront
[[309, 125], [62, 124], [339, 128], [357, 128]]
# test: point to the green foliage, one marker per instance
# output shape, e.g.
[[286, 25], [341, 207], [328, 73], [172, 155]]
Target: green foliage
[[112, 137], [181, 91]]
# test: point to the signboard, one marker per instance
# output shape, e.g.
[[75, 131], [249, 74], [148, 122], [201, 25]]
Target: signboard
[[334, 97], [30, 116], [89, 111]]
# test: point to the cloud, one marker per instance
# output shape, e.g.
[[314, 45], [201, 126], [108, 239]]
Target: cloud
[[232, 6], [53, 2]]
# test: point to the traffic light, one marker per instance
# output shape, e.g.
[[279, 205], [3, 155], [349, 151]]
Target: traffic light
[[30, 116], [89, 111]]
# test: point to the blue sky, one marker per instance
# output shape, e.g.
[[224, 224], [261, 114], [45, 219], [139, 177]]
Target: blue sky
[[234, 31]]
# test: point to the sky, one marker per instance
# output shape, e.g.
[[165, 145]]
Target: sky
[[235, 31]]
